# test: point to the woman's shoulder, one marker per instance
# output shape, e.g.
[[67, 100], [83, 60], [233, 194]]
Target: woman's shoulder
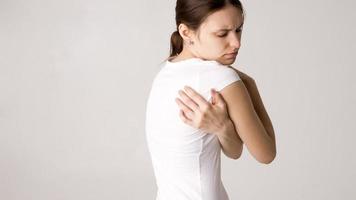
[[217, 76], [216, 69]]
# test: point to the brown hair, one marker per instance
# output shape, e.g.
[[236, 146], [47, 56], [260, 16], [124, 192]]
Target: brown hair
[[192, 13]]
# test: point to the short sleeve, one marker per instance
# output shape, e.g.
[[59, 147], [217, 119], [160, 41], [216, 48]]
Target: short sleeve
[[217, 77]]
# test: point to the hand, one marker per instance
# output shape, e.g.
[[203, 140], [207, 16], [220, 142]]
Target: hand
[[201, 114]]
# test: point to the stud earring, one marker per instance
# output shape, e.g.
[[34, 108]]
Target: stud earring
[[191, 42]]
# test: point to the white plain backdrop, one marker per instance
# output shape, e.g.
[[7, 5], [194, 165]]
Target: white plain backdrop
[[75, 77]]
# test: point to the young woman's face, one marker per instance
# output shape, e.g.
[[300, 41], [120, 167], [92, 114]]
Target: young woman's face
[[220, 35]]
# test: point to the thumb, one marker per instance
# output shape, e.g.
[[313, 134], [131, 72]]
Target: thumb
[[218, 99], [213, 98]]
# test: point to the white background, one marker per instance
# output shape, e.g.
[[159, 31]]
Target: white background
[[75, 76]]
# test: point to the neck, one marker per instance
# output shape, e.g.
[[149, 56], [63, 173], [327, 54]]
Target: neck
[[183, 55]]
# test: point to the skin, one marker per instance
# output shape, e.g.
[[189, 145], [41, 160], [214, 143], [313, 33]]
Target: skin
[[197, 112], [211, 117], [212, 42], [217, 36]]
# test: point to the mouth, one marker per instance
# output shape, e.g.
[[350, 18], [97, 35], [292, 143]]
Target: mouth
[[231, 54]]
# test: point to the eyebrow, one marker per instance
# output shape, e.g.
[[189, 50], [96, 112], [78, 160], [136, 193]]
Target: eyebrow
[[226, 29]]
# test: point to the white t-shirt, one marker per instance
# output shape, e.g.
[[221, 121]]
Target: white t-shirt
[[186, 160]]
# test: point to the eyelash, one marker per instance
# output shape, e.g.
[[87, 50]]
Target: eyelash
[[237, 31]]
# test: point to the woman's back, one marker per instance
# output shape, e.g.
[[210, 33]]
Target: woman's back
[[186, 161]]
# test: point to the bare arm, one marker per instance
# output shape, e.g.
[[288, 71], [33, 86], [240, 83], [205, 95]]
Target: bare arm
[[229, 138], [247, 121], [243, 116], [230, 141], [212, 118], [258, 104], [261, 111]]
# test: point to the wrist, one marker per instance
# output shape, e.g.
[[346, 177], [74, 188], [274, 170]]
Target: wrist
[[227, 127]]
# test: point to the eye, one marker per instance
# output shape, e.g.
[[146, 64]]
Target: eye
[[237, 31], [223, 35]]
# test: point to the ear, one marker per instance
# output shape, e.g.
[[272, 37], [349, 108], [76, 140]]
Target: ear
[[186, 33]]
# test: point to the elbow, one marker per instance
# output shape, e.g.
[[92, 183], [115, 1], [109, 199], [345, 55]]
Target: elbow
[[238, 154], [270, 156], [235, 157], [268, 159]]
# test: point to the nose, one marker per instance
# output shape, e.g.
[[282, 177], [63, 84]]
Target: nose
[[235, 41]]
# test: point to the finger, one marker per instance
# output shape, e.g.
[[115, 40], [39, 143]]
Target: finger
[[213, 101], [218, 97], [200, 100], [184, 107], [188, 101], [184, 118]]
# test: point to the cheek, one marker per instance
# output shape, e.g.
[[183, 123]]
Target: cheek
[[215, 46]]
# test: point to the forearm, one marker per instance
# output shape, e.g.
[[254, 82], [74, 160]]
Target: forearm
[[230, 141]]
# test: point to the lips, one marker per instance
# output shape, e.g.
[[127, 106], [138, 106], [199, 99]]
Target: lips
[[231, 54], [235, 52]]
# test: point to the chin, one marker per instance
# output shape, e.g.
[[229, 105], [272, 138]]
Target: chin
[[226, 61]]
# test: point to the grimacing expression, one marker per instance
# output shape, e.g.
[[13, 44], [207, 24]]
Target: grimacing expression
[[219, 35]]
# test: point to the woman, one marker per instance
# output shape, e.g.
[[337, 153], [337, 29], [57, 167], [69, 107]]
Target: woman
[[185, 135]]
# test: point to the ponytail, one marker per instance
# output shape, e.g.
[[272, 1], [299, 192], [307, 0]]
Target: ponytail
[[176, 44]]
